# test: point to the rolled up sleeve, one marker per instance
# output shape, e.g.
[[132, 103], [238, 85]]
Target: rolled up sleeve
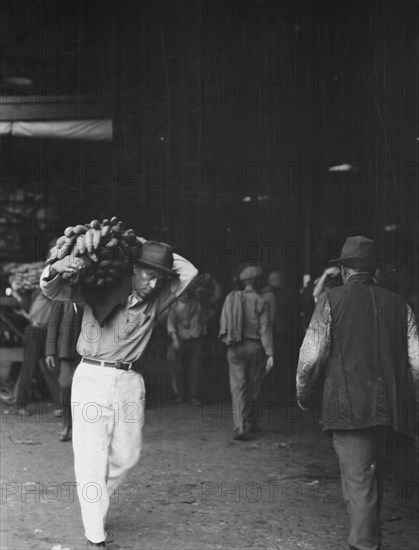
[[55, 288], [186, 273]]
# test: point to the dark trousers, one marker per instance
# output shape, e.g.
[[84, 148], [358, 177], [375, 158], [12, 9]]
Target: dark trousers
[[67, 369], [185, 366], [361, 457], [246, 362], [33, 359]]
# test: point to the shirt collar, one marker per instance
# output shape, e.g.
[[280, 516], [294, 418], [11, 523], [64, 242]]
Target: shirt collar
[[134, 299], [363, 277], [103, 301]]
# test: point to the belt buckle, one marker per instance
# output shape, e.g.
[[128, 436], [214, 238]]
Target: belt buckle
[[119, 365]]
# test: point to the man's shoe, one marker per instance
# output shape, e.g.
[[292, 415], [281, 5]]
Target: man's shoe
[[91, 544], [66, 434], [239, 435]]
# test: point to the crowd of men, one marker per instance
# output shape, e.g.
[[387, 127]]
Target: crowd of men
[[360, 354]]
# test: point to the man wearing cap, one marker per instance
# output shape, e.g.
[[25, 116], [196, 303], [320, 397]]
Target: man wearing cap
[[108, 395], [362, 348], [246, 329]]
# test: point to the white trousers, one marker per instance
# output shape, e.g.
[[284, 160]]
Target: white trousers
[[108, 416]]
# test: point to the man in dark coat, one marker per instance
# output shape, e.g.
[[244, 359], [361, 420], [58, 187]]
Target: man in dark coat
[[362, 347], [60, 352]]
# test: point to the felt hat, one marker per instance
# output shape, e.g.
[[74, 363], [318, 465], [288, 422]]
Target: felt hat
[[357, 250], [158, 256]]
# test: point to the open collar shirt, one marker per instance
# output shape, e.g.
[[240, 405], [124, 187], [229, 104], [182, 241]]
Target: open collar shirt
[[127, 330]]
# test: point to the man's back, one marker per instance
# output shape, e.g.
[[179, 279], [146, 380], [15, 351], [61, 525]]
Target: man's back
[[362, 346], [367, 378]]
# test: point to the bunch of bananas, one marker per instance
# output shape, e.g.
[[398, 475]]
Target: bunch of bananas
[[106, 249]]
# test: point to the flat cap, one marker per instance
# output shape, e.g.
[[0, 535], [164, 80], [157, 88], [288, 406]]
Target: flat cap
[[250, 272]]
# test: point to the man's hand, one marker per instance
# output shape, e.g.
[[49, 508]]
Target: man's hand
[[50, 361], [69, 265], [301, 407], [269, 363], [333, 271]]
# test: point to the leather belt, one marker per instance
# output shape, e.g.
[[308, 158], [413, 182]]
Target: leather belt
[[115, 364]]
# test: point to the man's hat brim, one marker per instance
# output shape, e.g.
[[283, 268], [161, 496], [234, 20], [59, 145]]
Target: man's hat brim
[[157, 267], [357, 250], [346, 261]]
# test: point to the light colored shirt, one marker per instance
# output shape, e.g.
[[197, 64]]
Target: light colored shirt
[[125, 335]]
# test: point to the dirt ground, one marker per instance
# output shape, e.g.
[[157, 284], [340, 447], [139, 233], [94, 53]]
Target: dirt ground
[[194, 487]]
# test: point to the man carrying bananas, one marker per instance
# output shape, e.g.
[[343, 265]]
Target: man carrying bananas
[[108, 395]]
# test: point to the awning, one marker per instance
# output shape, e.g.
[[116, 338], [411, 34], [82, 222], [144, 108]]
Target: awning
[[62, 129]]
